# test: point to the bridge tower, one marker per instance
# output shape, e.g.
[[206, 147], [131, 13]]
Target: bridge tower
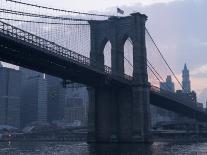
[[119, 113]]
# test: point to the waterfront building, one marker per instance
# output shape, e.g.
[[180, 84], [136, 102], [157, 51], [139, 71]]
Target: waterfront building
[[160, 116], [10, 84], [76, 104]]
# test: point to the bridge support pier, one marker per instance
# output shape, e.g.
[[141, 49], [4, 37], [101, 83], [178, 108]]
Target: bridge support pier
[[118, 115], [119, 112]]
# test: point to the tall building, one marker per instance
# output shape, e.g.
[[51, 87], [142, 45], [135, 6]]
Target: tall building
[[10, 83], [168, 85], [186, 93], [56, 98], [76, 104], [159, 115], [33, 98], [186, 80]]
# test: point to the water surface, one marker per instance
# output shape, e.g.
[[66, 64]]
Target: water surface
[[82, 148]]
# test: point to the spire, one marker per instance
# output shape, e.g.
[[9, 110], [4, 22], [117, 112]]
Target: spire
[[185, 67], [186, 80]]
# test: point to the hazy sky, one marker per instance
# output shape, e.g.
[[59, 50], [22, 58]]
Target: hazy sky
[[98, 5]]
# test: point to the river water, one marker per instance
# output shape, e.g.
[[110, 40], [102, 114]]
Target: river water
[[66, 148]]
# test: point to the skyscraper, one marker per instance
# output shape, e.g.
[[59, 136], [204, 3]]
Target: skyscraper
[[56, 98], [186, 80], [76, 104], [34, 97], [10, 83], [168, 85]]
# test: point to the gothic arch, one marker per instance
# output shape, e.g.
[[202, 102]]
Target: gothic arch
[[128, 55], [105, 49]]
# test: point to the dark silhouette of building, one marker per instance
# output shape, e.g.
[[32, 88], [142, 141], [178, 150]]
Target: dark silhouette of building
[[168, 85], [34, 97], [76, 108], [10, 84], [56, 98], [160, 115], [186, 80], [186, 92]]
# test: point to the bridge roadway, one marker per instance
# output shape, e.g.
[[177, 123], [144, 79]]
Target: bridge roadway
[[170, 101], [27, 50], [30, 51]]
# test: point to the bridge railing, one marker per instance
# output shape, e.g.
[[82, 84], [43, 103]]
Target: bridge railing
[[174, 97], [107, 70], [39, 42], [50, 47]]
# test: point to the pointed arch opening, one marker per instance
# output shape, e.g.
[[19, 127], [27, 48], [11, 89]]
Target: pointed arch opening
[[107, 54], [128, 57]]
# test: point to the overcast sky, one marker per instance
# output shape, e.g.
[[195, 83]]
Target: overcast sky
[[97, 5], [178, 26]]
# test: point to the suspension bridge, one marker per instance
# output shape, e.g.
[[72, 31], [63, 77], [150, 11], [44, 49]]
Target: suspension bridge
[[110, 54]]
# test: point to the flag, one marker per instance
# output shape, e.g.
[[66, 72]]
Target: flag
[[120, 11]]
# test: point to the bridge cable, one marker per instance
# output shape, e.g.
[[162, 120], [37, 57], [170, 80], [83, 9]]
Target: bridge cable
[[20, 13], [155, 70], [60, 10], [37, 22], [163, 58], [152, 69], [149, 64]]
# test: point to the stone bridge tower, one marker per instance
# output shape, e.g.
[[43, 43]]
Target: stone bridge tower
[[119, 114]]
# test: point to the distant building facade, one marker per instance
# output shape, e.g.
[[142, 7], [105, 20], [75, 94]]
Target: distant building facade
[[56, 98], [76, 108], [186, 80], [159, 115], [10, 84], [186, 92], [168, 85], [33, 98]]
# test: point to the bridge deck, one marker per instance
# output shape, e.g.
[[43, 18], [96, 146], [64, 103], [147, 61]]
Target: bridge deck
[[170, 101], [33, 52]]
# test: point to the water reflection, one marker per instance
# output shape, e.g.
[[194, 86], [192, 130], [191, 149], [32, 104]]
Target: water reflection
[[120, 149], [67, 148]]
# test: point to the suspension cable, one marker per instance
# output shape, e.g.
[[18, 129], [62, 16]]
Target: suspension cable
[[38, 15], [154, 73], [60, 10], [155, 70], [37, 22], [163, 58], [152, 69]]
